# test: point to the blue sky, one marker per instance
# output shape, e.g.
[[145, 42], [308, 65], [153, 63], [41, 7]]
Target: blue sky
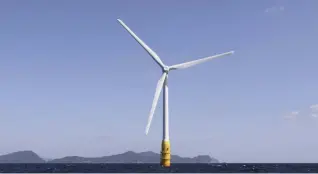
[[74, 82]]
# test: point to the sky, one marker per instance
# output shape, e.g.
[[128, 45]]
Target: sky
[[74, 82]]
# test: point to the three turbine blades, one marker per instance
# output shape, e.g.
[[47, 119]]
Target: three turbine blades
[[162, 79]]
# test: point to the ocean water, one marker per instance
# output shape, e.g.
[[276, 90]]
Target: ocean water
[[156, 168]]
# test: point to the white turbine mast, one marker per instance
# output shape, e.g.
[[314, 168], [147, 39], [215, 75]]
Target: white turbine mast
[[163, 84]]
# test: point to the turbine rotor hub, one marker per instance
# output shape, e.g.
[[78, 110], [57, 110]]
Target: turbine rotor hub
[[166, 69]]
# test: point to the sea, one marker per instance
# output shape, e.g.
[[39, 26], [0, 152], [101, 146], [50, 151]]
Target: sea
[[156, 168]]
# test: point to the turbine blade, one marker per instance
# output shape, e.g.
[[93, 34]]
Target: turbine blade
[[144, 45], [155, 100], [198, 61]]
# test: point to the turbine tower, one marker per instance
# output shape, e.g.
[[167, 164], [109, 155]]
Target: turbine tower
[[163, 84]]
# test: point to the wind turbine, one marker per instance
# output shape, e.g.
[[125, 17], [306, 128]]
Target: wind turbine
[[163, 83]]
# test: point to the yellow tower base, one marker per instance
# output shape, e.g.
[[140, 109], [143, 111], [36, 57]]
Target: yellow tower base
[[165, 154]]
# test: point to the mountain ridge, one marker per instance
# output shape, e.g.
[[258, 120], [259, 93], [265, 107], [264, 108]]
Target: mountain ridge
[[29, 156]]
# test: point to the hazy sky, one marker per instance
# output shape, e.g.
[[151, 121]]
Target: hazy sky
[[74, 82]]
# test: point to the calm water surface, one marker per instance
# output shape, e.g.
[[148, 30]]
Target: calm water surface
[[155, 168]]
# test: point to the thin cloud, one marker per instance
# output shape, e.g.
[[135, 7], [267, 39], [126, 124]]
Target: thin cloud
[[314, 110], [292, 115], [274, 9], [314, 115]]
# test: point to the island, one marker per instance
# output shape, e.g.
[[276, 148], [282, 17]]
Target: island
[[127, 157]]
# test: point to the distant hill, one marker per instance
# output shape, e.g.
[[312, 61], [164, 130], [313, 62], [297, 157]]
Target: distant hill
[[21, 157], [127, 157]]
